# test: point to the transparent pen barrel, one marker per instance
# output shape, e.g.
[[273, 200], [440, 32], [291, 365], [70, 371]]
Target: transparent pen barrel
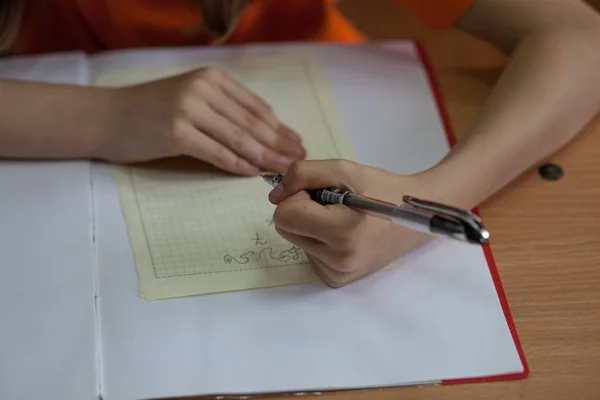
[[399, 214], [405, 215]]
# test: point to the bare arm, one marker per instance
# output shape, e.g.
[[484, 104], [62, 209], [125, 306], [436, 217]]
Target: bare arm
[[547, 94], [202, 114], [51, 121]]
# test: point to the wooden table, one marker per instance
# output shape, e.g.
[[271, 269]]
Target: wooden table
[[546, 233]]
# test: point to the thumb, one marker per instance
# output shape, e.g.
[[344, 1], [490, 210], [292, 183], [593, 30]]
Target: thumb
[[314, 174]]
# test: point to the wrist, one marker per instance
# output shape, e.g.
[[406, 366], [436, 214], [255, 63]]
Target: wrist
[[108, 124], [454, 185], [438, 184]]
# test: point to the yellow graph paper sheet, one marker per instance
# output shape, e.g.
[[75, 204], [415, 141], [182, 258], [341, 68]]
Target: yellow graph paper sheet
[[195, 230]]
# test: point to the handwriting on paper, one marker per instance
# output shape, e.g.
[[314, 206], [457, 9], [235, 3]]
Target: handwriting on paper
[[259, 241], [264, 254]]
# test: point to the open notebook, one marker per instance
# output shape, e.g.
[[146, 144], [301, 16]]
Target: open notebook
[[82, 321]]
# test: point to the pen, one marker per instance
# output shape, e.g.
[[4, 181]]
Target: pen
[[421, 215]]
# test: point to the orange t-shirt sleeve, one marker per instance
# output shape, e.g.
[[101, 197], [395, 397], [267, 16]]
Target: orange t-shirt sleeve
[[438, 14]]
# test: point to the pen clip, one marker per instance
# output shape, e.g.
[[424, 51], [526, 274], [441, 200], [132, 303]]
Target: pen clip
[[471, 223]]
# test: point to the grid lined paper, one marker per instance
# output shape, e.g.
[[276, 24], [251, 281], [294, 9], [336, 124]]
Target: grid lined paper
[[208, 224], [196, 230]]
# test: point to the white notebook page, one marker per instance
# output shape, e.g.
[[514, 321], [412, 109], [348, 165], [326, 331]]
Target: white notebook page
[[436, 316], [47, 319]]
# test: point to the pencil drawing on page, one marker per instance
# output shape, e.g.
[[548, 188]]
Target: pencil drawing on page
[[195, 230], [265, 255]]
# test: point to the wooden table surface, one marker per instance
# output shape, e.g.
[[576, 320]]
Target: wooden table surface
[[546, 234]]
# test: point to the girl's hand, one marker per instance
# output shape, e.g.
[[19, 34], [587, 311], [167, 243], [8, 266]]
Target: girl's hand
[[344, 245], [203, 114]]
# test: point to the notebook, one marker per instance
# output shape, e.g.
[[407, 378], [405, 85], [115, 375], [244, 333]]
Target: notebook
[[439, 316]]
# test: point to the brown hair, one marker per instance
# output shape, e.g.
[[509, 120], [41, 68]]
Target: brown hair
[[10, 23], [219, 17]]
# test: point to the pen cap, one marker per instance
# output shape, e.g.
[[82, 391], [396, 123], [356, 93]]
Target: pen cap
[[451, 217]]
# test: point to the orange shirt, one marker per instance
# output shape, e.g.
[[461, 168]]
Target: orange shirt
[[94, 25]]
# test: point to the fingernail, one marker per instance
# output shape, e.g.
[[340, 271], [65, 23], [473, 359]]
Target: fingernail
[[248, 168], [276, 192], [298, 152]]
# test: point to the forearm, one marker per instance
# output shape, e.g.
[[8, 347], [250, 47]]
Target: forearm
[[51, 121], [549, 91]]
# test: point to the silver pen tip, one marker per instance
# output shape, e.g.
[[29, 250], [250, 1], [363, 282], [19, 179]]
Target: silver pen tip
[[271, 178], [266, 175]]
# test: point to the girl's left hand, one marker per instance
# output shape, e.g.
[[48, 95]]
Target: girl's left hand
[[344, 245]]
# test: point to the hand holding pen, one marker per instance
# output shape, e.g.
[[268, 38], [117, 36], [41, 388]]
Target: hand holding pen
[[343, 242]]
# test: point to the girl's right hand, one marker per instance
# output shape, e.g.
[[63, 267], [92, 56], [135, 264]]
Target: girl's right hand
[[203, 114]]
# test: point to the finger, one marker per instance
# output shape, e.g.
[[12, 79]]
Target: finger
[[196, 144], [307, 244], [315, 174], [332, 224], [251, 101], [336, 278], [325, 260], [258, 106], [317, 253], [233, 137], [331, 278], [231, 109]]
